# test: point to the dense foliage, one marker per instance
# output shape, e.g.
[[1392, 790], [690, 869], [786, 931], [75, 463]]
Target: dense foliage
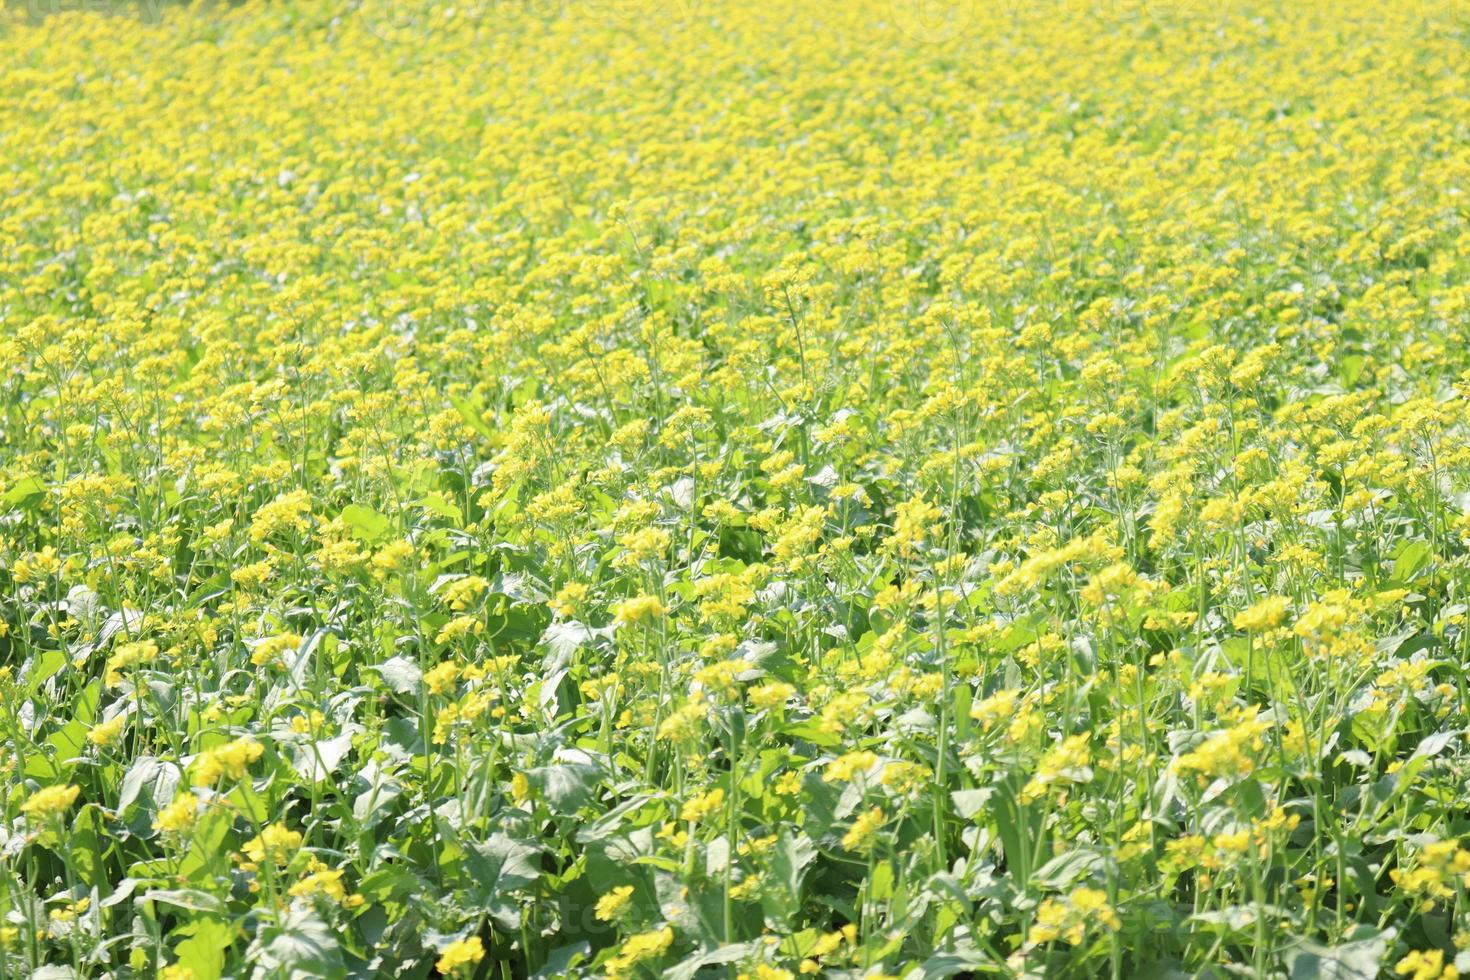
[[695, 487]]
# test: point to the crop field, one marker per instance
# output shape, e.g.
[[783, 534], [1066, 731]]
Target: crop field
[[734, 489]]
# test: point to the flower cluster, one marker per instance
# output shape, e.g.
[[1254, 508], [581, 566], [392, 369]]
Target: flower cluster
[[645, 488]]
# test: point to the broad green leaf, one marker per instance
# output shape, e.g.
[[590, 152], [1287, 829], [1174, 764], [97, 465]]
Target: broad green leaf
[[203, 952], [401, 674], [566, 786], [366, 523], [300, 946]]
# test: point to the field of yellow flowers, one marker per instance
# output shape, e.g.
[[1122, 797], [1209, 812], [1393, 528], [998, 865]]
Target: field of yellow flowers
[[706, 488]]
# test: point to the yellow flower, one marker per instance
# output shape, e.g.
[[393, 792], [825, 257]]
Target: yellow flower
[[1092, 903], [270, 649], [1267, 614], [771, 695], [441, 677], [1067, 762], [914, 521], [50, 802], [178, 816], [460, 953], [639, 609], [128, 655], [324, 881], [36, 566], [569, 598], [862, 835], [1425, 965], [846, 768], [275, 844], [1000, 706], [392, 557], [1231, 752], [1084, 909], [700, 806], [104, 733], [930, 394], [457, 628], [639, 949], [764, 971], [458, 594], [288, 512], [612, 905], [228, 761]]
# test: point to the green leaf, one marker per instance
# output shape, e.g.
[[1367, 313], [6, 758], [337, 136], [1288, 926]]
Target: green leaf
[[183, 898], [500, 867], [43, 667], [1060, 872], [1411, 558], [788, 862], [689, 967], [68, 742], [89, 842], [301, 945], [1360, 959], [24, 493], [153, 779], [968, 802], [1017, 826], [204, 951], [1350, 368], [375, 803], [388, 884], [471, 416], [566, 786], [438, 503], [813, 732], [1433, 745], [318, 760], [207, 856], [563, 959], [965, 959], [401, 674], [366, 523], [563, 640]]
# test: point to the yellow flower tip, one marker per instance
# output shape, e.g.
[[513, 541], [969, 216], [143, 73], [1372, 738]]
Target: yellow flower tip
[[50, 802], [460, 954]]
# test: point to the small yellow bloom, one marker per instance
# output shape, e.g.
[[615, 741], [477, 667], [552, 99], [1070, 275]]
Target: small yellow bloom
[[231, 760], [50, 802], [614, 903], [639, 609], [701, 806], [1267, 614], [460, 953], [861, 837], [178, 816], [106, 732], [325, 881], [275, 844], [128, 655], [640, 948], [441, 677]]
